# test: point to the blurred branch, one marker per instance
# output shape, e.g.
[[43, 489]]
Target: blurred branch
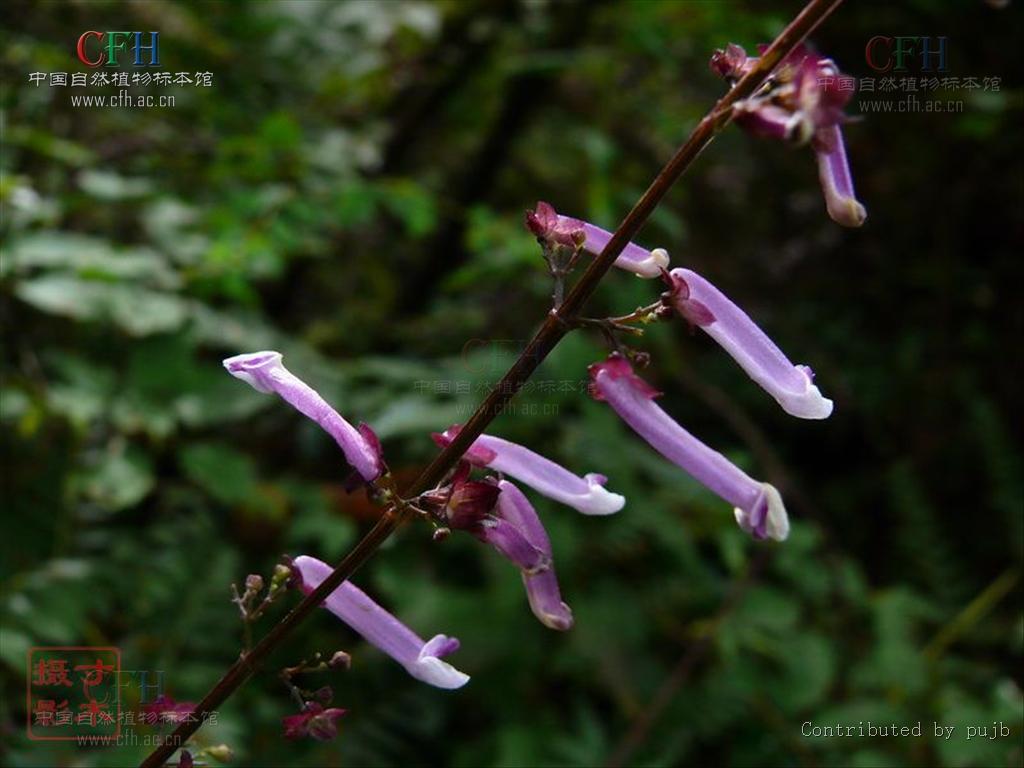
[[466, 37], [646, 720], [525, 95], [972, 613], [555, 327]]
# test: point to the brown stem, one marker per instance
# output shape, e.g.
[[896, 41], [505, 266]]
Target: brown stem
[[557, 324]]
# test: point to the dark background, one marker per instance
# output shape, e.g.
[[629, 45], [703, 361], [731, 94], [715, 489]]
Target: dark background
[[350, 192]]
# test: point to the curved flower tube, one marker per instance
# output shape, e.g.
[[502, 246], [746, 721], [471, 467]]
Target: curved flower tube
[[469, 505], [264, 372], [511, 541], [634, 258], [758, 507], [541, 585], [355, 608], [585, 494], [836, 181], [705, 306], [497, 513], [804, 104], [548, 225]]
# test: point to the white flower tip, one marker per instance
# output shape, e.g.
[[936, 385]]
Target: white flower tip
[[652, 265], [429, 668], [440, 674], [561, 622], [598, 500], [847, 211], [778, 520], [809, 404], [245, 367], [741, 519]]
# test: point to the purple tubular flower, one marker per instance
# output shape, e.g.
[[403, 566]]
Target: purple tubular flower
[[264, 372], [504, 519], [549, 226], [791, 385], [634, 258], [585, 494], [803, 103], [541, 585], [469, 508], [511, 541], [836, 181], [355, 608], [758, 507]]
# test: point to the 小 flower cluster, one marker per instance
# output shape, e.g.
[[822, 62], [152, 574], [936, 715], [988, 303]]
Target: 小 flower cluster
[[484, 494]]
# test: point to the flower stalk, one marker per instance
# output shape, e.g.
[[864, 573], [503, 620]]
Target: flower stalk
[[544, 341]]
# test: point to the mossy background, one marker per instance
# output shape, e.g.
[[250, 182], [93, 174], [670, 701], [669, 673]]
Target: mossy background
[[350, 192]]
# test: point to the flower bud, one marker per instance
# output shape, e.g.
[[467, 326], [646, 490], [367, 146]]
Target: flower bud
[[340, 660]]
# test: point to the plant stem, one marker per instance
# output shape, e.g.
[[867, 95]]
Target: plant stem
[[555, 327]]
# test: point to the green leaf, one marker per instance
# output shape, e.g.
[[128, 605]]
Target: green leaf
[[120, 479], [316, 526], [138, 311], [226, 474], [49, 145], [105, 185], [412, 204], [14, 647], [81, 390], [89, 257], [809, 664], [416, 415]]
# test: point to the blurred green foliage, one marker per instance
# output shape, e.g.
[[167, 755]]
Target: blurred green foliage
[[349, 192]]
